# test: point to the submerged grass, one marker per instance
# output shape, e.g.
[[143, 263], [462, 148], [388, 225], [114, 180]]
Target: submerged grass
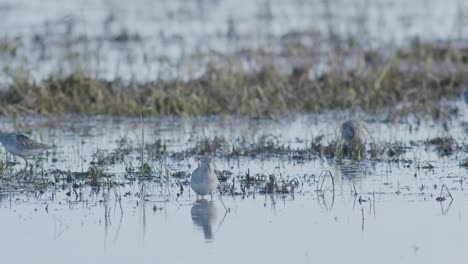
[[416, 79]]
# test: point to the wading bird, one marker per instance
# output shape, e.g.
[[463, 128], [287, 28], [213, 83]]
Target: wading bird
[[352, 134], [352, 131], [22, 146], [204, 180]]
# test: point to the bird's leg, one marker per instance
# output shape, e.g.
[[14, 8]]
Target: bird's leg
[[198, 198], [211, 195], [221, 200]]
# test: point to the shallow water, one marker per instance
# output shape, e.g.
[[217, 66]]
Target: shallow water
[[264, 229], [375, 211]]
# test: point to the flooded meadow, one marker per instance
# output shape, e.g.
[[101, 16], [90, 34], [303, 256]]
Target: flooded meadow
[[117, 190], [132, 97]]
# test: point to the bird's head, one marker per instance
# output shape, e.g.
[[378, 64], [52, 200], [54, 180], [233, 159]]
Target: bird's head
[[207, 160]]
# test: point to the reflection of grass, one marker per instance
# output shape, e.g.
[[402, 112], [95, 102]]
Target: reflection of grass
[[411, 77]]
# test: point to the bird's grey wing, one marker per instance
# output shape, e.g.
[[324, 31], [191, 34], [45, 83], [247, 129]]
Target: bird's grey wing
[[198, 175], [195, 172]]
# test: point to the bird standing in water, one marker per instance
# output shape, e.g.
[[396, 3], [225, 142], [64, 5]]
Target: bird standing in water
[[22, 146], [352, 134], [352, 131], [204, 180]]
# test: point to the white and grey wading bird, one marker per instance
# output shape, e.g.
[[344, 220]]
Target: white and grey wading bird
[[352, 131], [353, 134], [204, 180], [22, 146]]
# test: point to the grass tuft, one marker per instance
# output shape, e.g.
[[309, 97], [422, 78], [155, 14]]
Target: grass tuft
[[410, 78]]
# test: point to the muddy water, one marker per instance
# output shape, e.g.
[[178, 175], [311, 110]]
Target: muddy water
[[381, 211]]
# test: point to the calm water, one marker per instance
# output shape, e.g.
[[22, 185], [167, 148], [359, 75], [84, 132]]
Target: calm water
[[379, 212], [402, 229]]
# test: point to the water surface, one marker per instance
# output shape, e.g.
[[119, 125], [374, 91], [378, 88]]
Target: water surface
[[383, 210]]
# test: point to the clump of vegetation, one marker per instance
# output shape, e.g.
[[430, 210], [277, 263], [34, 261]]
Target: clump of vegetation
[[395, 150], [275, 185], [157, 149], [95, 173], [224, 175], [444, 145], [375, 150], [339, 149], [392, 150], [271, 185], [146, 170], [220, 146], [464, 163], [2, 168], [211, 146], [334, 149], [267, 145], [355, 150], [317, 145], [118, 155], [181, 174], [411, 77]]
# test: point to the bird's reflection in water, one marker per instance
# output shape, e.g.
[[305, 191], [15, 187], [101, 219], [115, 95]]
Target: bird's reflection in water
[[355, 169], [351, 174], [204, 214]]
